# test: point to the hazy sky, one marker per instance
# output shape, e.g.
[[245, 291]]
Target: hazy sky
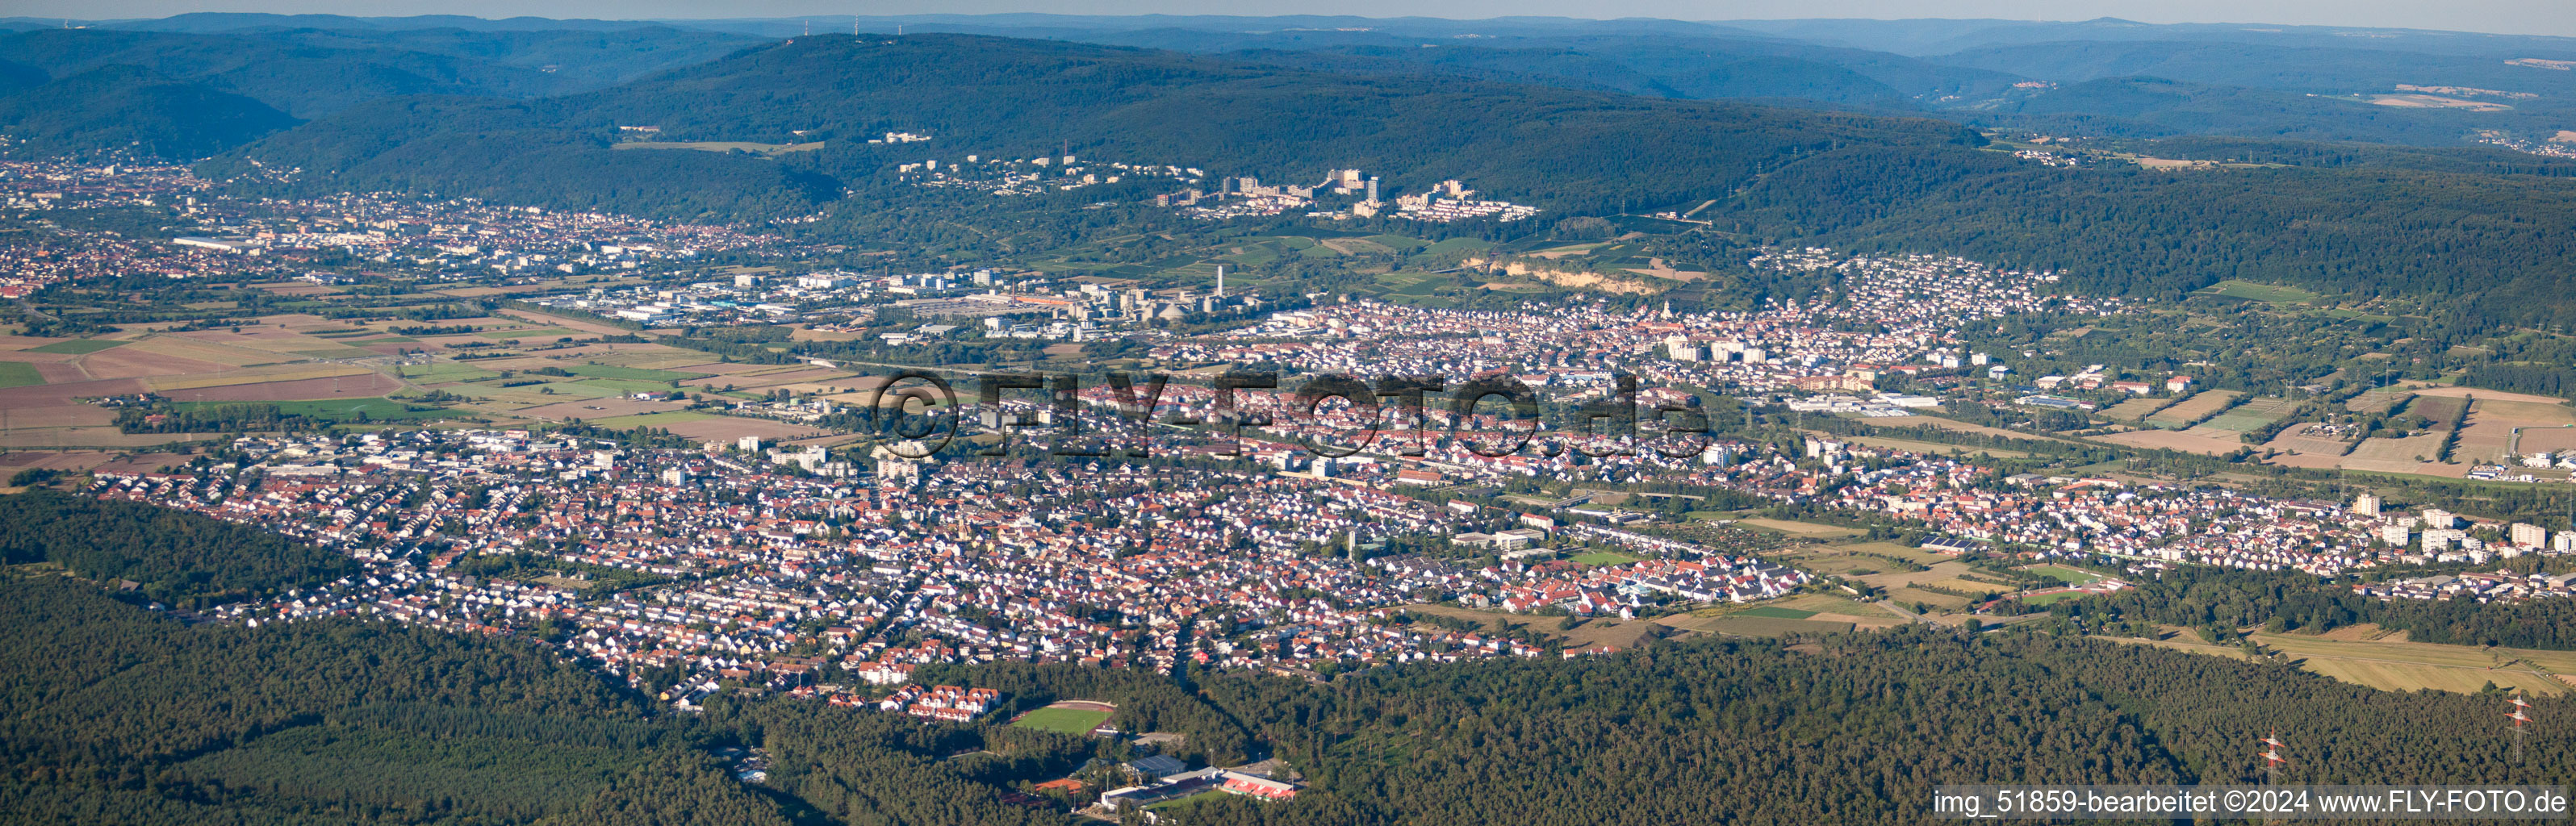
[[2552, 17]]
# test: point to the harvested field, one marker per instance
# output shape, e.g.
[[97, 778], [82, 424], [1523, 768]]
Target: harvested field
[[367, 384], [2552, 439], [2421, 447], [596, 409], [78, 346], [251, 375], [2194, 409], [807, 375], [15, 343], [2489, 395], [59, 415], [61, 372], [650, 419], [2207, 444], [2135, 409], [544, 320], [1801, 528], [125, 363], [2251, 415]]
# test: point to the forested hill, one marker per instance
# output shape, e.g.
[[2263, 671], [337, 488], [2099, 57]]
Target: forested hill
[[1571, 150]]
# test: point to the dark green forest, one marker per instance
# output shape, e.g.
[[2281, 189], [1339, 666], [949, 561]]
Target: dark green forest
[[172, 556]]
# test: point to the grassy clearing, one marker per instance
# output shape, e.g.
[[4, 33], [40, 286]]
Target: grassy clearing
[[19, 374], [76, 347], [1067, 720], [1761, 626], [770, 149], [1775, 612], [436, 373], [376, 408], [1598, 558], [2398, 665], [2267, 293], [2072, 576]]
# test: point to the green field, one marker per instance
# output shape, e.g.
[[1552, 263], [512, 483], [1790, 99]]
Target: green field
[[1775, 612], [602, 371], [1211, 794], [376, 408], [435, 373], [19, 374], [2043, 600], [1067, 720], [78, 346], [1598, 558], [540, 332], [623, 386], [2269, 293]]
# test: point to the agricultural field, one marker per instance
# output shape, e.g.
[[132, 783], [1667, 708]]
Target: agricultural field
[[2135, 409], [2193, 409], [19, 374], [2394, 664], [1740, 624], [2251, 415], [2379, 451], [2497, 429], [603, 371], [1802, 529], [2072, 576], [1950, 575], [2183, 440], [77, 346]]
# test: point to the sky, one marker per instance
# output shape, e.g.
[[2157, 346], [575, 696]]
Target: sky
[[2546, 17]]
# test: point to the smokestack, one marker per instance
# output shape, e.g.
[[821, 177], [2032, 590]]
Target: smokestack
[[1220, 280]]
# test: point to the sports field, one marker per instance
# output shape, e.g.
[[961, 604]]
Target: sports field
[[1067, 720]]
